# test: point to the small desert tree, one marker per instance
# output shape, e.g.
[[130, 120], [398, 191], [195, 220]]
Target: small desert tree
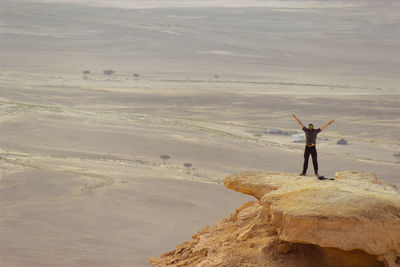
[[165, 158], [108, 73], [188, 166], [257, 136], [342, 142], [216, 77], [85, 74], [397, 155], [136, 75]]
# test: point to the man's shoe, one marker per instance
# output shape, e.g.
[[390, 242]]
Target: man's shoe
[[302, 174]]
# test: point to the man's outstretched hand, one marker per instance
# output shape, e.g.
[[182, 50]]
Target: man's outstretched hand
[[298, 121], [326, 125]]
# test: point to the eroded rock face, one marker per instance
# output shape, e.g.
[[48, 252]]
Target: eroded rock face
[[300, 221]]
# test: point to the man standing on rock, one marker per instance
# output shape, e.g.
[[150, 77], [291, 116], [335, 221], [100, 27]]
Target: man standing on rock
[[311, 140]]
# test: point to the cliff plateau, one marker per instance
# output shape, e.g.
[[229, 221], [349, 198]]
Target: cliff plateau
[[353, 220]]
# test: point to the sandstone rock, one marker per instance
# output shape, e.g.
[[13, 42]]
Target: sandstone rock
[[301, 221]]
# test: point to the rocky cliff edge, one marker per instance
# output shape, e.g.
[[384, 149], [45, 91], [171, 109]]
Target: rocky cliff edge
[[353, 220]]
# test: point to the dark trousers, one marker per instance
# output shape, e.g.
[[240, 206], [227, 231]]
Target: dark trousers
[[313, 151]]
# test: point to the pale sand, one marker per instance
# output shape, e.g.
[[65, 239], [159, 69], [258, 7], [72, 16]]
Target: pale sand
[[49, 218], [82, 182], [86, 187]]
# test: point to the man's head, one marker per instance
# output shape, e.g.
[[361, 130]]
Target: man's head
[[311, 126]]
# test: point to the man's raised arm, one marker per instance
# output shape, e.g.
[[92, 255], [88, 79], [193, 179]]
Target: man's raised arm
[[326, 125], [298, 121]]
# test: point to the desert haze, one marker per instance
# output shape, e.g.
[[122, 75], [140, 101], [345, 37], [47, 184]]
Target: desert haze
[[94, 93]]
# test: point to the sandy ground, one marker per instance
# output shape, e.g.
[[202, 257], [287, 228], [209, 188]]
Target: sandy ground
[[52, 218], [82, 182]]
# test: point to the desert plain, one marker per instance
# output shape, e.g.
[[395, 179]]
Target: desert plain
[[205, 83]]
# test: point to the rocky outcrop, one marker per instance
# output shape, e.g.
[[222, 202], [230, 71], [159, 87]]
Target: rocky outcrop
[[353, 220]]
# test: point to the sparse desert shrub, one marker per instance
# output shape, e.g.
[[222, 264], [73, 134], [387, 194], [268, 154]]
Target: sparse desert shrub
[[165, 158], [257, 136], [397, 155], [85, 74], [108, 72], [342, 142], [188, 166]]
